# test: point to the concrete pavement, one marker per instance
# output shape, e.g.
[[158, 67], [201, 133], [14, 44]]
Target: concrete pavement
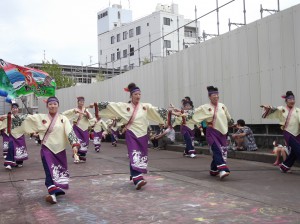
[[179, 190]]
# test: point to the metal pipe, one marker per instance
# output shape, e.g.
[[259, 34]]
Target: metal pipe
[[196, 23], [245, 12], [218, 23], [139, 52], [178, 41], [163, 39], [150, 47]]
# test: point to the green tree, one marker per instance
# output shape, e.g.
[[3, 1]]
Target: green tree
[[146, 61], [55, 71], [100, 77]]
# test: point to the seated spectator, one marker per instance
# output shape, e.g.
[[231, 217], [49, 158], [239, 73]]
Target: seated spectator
[[197, 132], [244, 137], [280, 150], [166, 137], [153, 135]]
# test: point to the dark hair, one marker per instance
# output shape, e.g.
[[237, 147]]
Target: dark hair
[[241, 122], [15, 105], [185, 102], [288, 94], [187, 98], [211, 89], [132, 88]]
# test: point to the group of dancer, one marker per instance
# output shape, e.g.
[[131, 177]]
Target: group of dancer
[[55, 131]]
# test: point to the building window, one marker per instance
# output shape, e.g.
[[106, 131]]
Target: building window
[[131, 51], [119, 15], [118, 37], [112, 39], [138, 30], [167, 44], [84, 80], [188, 33], [125, 34], [125, 53], [118, 55], [112, 57], [131, 33], [167, 21], [131, 66], [147, 24], [100, 16], [100, 52]]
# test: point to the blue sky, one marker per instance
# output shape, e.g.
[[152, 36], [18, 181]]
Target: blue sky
[[66, 30]]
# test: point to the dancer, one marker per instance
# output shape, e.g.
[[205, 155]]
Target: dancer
[[113, 126], [80, 117], [288, 117], [55, 131], [135, 115], [218, 119], [184, 118], [17, 150], [99, 127], [187, 127], [5, 139]]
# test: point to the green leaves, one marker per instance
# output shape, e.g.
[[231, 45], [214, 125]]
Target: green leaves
[[55, 71]]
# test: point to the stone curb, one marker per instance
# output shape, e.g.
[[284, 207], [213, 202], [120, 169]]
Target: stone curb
[[257, 156]]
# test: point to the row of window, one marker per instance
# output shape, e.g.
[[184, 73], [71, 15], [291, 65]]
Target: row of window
[[138, 30], [112, 56], [102, 15], [84, 80], [125, 35], [167, 44]]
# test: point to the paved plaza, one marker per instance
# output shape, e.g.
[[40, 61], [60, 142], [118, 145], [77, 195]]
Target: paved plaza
[[179, 190]]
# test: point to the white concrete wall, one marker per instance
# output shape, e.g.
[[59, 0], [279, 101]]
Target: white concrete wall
[[251, 65]]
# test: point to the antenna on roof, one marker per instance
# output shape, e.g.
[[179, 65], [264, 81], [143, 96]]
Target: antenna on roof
[[129, 3]]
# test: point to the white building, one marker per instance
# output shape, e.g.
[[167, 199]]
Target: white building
[[119, 38]]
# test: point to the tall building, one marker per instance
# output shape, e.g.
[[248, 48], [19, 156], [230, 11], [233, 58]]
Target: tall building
[[125, 44]]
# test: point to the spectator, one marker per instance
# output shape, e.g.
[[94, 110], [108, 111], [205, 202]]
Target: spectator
[[166, 137], [203, 125], [280, 150], [197, 132], [244, 137], [153, 136]]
